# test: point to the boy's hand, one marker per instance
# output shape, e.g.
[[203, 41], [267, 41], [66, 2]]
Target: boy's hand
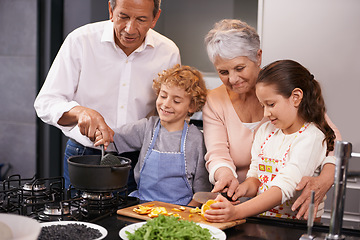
[[99, 140]]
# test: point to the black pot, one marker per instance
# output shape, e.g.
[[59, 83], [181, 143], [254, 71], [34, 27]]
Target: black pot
[[87, 174]]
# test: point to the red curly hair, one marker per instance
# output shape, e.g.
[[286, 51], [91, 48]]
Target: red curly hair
[[186, 77]]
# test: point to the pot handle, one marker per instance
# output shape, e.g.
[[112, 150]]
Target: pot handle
[[120, 168]]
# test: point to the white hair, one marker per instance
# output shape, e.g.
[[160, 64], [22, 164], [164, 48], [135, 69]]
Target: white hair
[[231, 38], [157, 4]]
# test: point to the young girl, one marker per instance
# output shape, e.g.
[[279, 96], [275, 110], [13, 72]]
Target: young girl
[[293, 144], [171, 165]]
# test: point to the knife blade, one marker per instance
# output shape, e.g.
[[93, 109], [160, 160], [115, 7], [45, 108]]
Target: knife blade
[[203, 197]]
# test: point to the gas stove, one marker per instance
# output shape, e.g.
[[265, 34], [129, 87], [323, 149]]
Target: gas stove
[[46, 199]]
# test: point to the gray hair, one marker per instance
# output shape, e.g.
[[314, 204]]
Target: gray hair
[[231, 38], [157, 4]]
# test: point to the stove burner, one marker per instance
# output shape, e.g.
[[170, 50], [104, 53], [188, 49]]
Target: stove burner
[[36, 186], [44, 199], [57, 209], [97, 196], [87, 205], [55, 212], [97, 204], [29, 196]]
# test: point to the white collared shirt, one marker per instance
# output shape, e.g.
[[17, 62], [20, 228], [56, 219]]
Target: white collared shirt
[[90, 70]]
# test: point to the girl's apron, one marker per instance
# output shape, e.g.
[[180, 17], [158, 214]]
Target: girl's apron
[[163, 174], [268, 170]]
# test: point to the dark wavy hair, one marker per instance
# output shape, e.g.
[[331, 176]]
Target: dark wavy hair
[[287, 75]]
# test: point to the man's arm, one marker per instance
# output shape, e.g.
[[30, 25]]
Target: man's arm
[[88, 121]]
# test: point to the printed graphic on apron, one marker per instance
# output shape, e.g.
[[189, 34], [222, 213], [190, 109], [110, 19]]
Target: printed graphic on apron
[[268, 169]]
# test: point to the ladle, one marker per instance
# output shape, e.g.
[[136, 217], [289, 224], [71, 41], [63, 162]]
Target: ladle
[[108, 159]]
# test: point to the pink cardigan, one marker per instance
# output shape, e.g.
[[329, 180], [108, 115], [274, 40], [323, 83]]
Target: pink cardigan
[[227, 140]]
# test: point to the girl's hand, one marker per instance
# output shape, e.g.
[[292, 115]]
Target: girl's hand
[[240, 191], [223, 211]]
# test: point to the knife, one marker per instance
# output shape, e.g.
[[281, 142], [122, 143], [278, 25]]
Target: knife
[[203, 197]]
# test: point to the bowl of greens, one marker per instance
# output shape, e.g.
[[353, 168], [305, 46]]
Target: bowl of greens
[[170, 227]]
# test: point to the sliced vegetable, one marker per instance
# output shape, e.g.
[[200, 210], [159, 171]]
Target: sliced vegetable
[[195, 210], [206, 206], [170, 227]]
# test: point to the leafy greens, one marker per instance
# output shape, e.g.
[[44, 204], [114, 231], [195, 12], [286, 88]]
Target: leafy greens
[[169, 228]]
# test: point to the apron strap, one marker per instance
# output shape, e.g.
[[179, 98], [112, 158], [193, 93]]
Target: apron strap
[[156, 133], [153, 140], [183, 137]]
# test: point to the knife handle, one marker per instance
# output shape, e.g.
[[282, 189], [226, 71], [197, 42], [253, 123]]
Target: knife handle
[[224, 194]]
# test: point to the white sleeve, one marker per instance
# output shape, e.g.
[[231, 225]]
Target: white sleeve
[[328, 159], [56, 95], [306, 155]]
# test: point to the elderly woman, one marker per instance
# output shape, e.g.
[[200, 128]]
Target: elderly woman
[[233, 113]]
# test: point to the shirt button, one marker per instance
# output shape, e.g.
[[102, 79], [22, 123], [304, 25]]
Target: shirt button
[[124, 84], [126, 61], [121, 107]]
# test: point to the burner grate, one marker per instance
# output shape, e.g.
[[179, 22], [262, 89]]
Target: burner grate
[[27, 196], [45, 199], [91, 205]]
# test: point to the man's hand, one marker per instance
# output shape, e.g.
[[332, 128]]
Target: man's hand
[[88, 121], [225, 181], [320, 185]]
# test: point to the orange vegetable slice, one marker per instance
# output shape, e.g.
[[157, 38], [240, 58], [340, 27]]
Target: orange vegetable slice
[[176, 210], [142, 209], [206, 206], [195, 210], [156, 211]]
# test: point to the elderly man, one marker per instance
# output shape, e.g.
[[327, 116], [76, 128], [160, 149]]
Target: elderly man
[[102, 75]]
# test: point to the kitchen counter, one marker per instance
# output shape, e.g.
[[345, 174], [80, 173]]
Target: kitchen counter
[[254, 228]]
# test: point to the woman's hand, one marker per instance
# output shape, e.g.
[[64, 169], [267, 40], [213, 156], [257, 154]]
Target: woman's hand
[[320, 185], [225, 181], [223, 211]]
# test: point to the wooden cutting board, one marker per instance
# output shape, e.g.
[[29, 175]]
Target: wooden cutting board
[[128, 212]]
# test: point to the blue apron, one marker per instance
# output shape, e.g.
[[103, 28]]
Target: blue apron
[[163, 175]]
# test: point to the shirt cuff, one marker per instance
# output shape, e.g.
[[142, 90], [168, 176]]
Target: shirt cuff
[[60, 110], [328, 159], [216, 167], [251, 174]]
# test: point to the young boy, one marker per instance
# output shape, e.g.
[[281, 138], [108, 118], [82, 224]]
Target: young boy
[[171, 166]]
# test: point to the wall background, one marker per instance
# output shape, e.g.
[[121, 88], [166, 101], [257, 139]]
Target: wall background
[[18, 82], [326, 41]]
